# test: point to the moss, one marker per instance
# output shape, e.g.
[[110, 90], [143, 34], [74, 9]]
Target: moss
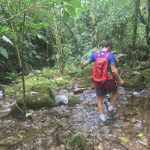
[[18, 110], [73, 99], [39, 100], [78, 141], [63, 81], [145, 77], [48, 82], [139, 80], [62, 137]]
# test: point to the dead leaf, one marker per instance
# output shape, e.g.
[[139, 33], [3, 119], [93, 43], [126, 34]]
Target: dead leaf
[[124, 139]]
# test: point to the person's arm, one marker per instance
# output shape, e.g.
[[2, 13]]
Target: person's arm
[[85, 63], [89, 60], [116, 75]]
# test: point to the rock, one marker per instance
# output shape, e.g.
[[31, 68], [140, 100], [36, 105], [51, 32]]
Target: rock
[[39, 100], [9, 141], [89, 97], [78, 90], [2, 95], [100, 147], [121, 90], [62, 147], [4, 113], [61, 99]]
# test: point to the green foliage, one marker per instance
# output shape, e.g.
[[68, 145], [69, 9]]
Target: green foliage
[[47, 82], [39, 100], [73, 99], [12, 76], [78, 141], [4, 52], [63, 33]]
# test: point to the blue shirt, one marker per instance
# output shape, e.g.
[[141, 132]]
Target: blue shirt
[[111, 57]]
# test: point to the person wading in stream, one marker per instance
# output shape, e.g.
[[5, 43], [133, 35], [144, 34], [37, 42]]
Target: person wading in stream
[[107, 82]]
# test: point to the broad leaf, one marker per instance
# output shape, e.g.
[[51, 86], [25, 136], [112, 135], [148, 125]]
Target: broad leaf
[[7, 39], [136, 73], [66, 16], [41, 37], [3, 52]]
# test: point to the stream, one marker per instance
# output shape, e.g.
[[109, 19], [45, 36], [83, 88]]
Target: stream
[[49, 128]]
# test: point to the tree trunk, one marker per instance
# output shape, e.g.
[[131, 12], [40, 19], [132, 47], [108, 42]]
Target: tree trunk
[[148, 25], [121, 37], [135, 20]]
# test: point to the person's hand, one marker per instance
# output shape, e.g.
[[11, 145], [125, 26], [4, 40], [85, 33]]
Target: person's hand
[[82, 67], [120, 82]]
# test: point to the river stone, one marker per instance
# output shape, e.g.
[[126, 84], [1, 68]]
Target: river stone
[[39, 100], [9, 141], [4, 113], [61, 99], [89, 97]]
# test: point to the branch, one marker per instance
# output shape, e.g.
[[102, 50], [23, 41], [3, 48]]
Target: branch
[[142, 18], [34, 5]]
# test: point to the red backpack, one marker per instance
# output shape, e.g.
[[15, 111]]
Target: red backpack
[[100, 70]]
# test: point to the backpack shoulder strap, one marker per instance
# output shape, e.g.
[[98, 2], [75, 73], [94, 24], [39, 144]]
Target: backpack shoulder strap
[[98, 53], [107, 55]]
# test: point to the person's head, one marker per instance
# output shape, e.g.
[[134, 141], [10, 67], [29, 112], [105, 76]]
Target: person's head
[[107, 44]]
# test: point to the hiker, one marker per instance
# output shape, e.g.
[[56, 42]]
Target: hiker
[[113, 78]]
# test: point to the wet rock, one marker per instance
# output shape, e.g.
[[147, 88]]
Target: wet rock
[[143, 93], [100, 147], [105, 130], [2, 95], [39, 100], [62, 147], [9, 141], [5, 107], [4, 113], [89, 97], [138, 124], [137, 94], [61, 110], [121, 91], [78, 90], [61, 99], [119, 123]]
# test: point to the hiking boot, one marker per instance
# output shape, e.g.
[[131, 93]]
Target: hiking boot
[[103, 117]]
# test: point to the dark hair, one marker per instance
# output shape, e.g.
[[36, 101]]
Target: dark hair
[[106, 44]]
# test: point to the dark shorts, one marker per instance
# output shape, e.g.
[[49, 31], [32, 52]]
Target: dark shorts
[[103, 91], [109, 87]]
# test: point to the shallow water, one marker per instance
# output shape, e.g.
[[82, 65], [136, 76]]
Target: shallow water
[[138, 106], [131, 119]]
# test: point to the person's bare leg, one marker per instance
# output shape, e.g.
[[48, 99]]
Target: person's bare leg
[[113, 98], [100, 104]]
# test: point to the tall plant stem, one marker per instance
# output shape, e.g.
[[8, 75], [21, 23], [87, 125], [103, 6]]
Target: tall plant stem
[[22, 67]]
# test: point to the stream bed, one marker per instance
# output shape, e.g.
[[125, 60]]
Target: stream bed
[[50, 128]]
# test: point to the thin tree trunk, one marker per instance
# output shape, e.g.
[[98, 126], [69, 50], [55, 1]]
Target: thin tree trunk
[[148, 24], [121, 38], [135, 20], [23, 63]]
